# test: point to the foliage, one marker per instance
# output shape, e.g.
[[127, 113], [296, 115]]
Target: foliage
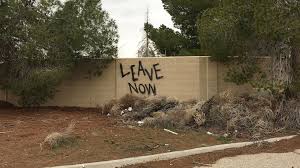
[[226, 30], [242, 70], [252, 28], [41, 41], [278, 20], [225, 140], [37, 87], [184, 15], [85, 29], [263, 84], [147, 48], [166, 40]]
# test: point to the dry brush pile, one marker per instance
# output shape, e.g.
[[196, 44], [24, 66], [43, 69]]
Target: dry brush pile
[[256, 114], [154, 111], [60, 139]]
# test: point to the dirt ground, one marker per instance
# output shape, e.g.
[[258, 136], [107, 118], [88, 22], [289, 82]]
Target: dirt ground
[[99, 138], [210, 158]]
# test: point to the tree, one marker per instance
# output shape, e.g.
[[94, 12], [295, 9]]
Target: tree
[[166, 40], [184, 15], [40, 42], [147, 47], [253, 28]]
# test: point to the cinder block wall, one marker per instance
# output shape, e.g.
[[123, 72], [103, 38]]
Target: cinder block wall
[[181, 77]]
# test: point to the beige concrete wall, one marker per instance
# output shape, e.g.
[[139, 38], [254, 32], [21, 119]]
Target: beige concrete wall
[[84, 90], [181, 77], [2, 95], [177, 77], [6, 96]]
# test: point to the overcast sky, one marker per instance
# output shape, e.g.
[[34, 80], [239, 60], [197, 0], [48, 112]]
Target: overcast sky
[[130, 16]]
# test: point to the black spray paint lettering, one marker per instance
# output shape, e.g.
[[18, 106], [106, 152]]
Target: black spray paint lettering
[[142, 88], [122, 71], [156, 71], [136, 71]]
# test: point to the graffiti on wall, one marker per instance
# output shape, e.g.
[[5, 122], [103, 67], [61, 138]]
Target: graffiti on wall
[[136, 71]]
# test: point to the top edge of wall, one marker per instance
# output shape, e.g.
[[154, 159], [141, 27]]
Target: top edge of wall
[[172, 57], [168, 57]]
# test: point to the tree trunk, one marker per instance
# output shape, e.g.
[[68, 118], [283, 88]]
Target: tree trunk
[[283, 65]]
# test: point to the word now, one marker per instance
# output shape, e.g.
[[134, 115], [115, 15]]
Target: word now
[[149, 89], [137, 70]]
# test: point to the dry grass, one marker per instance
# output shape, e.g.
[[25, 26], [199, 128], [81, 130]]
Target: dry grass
[[108, 106], [155, 111], [257, 114], [59, 139], [128, 101], [289, 114], [174, 115]]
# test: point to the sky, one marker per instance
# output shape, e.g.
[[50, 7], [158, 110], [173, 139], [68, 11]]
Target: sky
[[130, 16]]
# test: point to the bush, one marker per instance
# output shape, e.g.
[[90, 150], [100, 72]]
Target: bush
[[115, 107], [108, 106], [128, 100], [257, 114], [59, 139], [38, 87], [35, 46]]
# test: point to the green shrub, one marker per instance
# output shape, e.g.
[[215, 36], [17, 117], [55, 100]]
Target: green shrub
[[38, 87]]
